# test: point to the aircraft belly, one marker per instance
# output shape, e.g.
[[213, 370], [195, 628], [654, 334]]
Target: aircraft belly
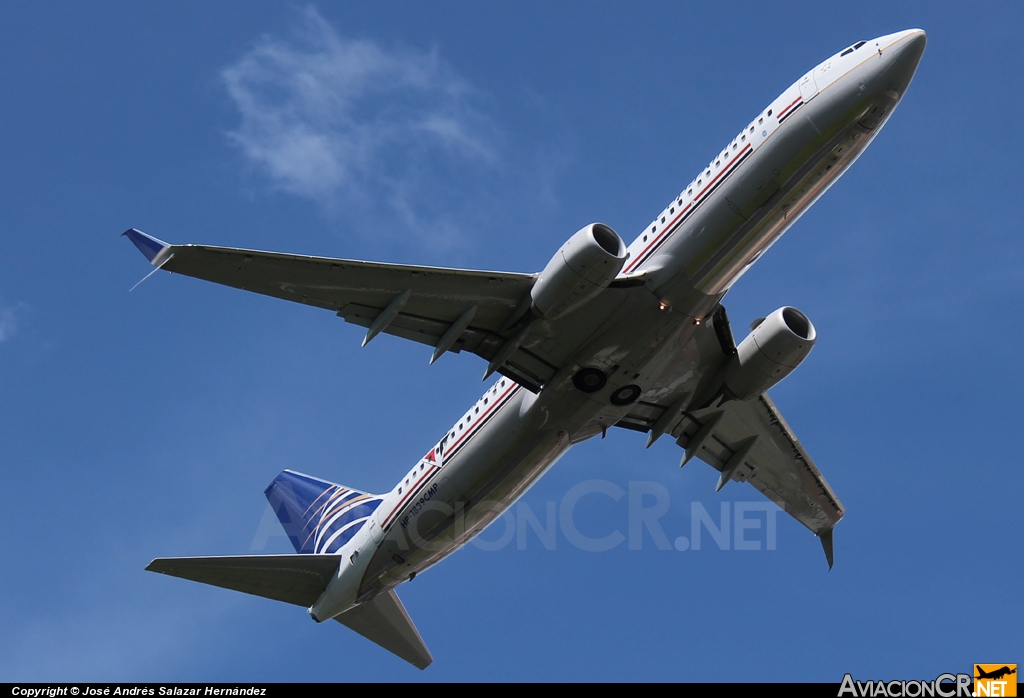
[[531, 433]]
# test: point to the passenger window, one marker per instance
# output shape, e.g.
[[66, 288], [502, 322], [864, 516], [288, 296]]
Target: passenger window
[[717, 163], [399, 490], [690, 193], [663, 219], [760, 120], [478, 410], [671, 211], [769, 112], [645, 238]]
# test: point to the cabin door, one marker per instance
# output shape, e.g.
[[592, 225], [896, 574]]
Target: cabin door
[[808, 87]]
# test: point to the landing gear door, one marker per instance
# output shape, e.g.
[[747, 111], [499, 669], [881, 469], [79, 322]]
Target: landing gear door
[[808, 87]]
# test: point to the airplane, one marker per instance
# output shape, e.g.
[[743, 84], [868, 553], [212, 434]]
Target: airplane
[[606, 335], [994, 674]]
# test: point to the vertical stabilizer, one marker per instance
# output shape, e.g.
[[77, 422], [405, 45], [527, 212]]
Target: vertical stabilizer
[[318, 516]]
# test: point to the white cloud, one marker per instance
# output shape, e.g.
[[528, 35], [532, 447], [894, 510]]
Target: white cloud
[[8, 322], [351, 125]]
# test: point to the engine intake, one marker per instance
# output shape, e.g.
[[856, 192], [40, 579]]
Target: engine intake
[[769, 353], [585, 264]]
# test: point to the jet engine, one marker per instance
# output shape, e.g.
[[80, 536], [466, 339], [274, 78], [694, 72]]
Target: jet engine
[[585, 264], [770, 352]]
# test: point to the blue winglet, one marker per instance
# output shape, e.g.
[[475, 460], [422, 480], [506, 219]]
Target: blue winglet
[[147, 244]]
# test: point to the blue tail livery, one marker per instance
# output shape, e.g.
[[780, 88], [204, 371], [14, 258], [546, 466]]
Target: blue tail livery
[[318, 516]]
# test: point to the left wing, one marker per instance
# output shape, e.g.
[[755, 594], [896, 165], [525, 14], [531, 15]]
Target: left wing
[[295, 579], [448, 309], [751, 442]]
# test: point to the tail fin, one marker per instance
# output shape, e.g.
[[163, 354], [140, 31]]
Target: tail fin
[[319, 516]]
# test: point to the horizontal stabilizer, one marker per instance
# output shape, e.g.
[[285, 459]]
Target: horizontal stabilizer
[[385, 622], [295, 579], [147, 244]]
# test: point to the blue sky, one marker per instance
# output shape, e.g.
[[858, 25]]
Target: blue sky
[[144, 424]]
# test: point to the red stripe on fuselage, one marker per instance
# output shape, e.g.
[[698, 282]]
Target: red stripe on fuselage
[[497, 402], [782, 114], [696, 201], [412, 492]]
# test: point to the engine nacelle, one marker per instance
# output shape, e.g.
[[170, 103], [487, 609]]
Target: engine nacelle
[[586, 264], [769, 353]]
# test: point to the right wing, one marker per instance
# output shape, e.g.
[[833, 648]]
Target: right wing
[[751, 442], [747, 441], [448, 309]]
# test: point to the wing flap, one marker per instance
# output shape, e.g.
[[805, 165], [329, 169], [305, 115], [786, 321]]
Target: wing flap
[[385, 622], [294, 579], [417, 328]]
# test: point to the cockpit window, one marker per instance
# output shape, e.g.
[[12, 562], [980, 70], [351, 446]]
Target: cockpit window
[[847, 52], [858, 45]]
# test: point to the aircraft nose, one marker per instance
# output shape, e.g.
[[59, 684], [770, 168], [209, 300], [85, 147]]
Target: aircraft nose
[[905, 53], [909, 47]]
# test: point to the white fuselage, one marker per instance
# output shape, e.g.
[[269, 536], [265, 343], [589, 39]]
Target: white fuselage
[[690, 255]]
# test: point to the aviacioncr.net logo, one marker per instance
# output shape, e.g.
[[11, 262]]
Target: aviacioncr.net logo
[[944, 686]]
